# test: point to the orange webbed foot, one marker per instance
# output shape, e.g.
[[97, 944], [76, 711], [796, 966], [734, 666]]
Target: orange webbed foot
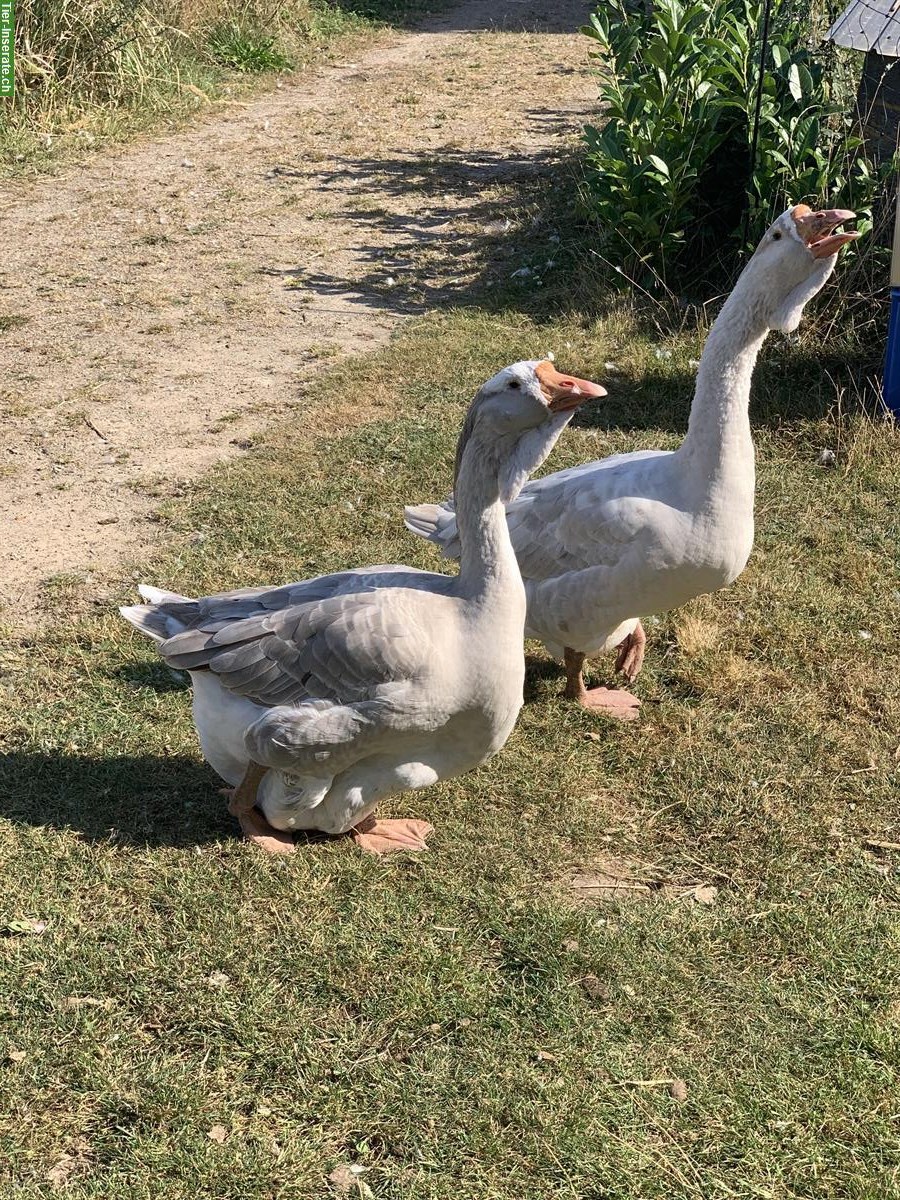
[[619, 705], [630, 658], [258, 831], [386, 837]]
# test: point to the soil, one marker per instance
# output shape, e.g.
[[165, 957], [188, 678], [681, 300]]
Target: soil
[[161, 302]]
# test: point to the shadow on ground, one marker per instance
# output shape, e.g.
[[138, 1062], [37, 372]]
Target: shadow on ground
[[540, 672], [154, 675], [141, 800], [517, 246], [136, 800], [441, 254], [556, 16]]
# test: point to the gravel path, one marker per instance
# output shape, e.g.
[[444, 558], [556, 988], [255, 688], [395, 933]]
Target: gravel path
[[161, 302]]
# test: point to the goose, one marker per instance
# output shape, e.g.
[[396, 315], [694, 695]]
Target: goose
[[316, 700], [603, 544]]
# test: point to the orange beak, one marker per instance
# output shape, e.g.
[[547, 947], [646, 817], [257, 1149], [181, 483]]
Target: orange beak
[[564, 393], [816, 228]]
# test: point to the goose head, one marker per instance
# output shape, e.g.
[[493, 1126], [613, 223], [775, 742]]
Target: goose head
[[529, 394], [794, 258], [520, 412]]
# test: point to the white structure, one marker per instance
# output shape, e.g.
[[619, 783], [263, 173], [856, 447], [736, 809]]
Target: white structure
[[868, 25]]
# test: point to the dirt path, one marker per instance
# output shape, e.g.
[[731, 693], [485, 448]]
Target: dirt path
[[160, 302]]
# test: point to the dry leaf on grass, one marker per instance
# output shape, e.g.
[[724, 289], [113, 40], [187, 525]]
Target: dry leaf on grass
[[703, 894], [67, 1164], [546, 1056], [609, 882], [59, 1173], [595, 988], [346, 1180], [218, 979], [16, 1056], [218, 1134], [23, 925], [678, 1090]]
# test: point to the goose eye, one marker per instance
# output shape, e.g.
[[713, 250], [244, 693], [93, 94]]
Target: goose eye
[[776, 237], [514, 383]]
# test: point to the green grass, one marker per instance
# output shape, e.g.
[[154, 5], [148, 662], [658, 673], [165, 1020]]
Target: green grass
[[249, 52], [461, 1024]]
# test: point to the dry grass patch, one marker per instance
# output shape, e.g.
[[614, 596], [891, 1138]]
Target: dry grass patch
[[103, 70], [696, 634], [611, 879]]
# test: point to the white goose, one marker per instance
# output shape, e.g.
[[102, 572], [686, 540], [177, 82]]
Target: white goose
[[606, 543], [318, 699]]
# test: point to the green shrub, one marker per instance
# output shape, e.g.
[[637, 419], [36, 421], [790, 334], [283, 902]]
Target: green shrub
[[669, 171], [243, 48]]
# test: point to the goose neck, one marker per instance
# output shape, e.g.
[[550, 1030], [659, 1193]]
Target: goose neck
[[487, 560], [719, 424]]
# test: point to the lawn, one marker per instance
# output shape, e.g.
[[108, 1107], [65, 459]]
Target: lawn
[[653, 961]]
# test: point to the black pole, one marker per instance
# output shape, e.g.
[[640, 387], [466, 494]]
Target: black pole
[[754, 140]]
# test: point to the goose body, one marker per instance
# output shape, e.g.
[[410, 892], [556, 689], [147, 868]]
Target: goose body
[[608, 542], [317, 699], [374, 703]]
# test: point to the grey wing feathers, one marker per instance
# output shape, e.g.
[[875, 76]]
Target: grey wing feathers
[[168, 613], [342, 648], [348, 634], [149, 620], [558, 523]]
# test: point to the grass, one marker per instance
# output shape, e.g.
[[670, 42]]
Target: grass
[[468, 1023], [196, 1020], [103, 70]]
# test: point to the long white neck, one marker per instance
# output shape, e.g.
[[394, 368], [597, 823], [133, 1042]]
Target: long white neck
[[718, 442], [488, 566]]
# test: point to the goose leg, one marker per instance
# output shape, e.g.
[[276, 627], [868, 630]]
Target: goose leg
[[612, 701], [631, 653], [242, 804]]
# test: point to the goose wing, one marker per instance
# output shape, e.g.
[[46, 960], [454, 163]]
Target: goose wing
[[583, 517], [568, 521], [339, 638]]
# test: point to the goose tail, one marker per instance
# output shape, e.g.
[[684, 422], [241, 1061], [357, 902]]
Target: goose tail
[[436, 523], [147, 619], [152, 620]]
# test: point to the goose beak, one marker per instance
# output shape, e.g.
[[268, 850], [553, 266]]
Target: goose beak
[[817, 229], [565, 393]]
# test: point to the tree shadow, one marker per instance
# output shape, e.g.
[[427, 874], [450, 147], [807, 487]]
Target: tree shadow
[[128, 800], [557, 16], [452, 223], [454, 243]]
